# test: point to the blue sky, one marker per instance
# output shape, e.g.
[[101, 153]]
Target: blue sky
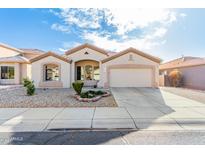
[[166, 33]]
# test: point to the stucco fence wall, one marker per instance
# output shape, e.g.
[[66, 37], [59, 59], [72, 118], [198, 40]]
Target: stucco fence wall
[[192, 77], [38, 73]]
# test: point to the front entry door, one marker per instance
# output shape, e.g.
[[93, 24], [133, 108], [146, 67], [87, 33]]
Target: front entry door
[[78, 73]]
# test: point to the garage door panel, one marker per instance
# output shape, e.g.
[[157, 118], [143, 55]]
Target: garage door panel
[[130, 77]]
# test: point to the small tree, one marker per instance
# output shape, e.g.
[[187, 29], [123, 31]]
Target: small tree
[[30, 88], [77, 86], [175, 77]]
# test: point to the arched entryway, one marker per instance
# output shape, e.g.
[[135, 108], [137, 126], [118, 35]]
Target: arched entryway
[[87, 71]]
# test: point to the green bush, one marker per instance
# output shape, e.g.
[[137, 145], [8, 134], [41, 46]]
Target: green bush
[[84, 95], [99, 92], [91, 93], [26, 82], [77, 86], [30, 88]]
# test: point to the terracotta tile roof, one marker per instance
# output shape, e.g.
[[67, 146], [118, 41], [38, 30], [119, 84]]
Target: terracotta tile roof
[[14, 59], [32, 51], [183, 62]]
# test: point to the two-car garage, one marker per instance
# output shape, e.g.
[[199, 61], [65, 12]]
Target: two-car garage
[[131, 68], [131, 77]]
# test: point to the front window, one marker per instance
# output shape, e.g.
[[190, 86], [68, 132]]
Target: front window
[[52, 72], [7, 72]]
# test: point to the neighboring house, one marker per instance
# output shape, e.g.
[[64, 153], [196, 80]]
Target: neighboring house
[[15, 64], [95, 66], [192, 69]]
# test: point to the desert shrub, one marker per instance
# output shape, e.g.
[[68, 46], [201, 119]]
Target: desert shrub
[[84, 95], [77, 86], [26, 82], [99, 92], [91, 93], [87, 94], [30, 88], [175, 78]]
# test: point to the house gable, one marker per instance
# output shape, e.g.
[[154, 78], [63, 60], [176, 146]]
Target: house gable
[[86, 53], [49, 54], [135, 51], [86, 45]]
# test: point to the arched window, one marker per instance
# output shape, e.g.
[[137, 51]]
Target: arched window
[[51, 72]]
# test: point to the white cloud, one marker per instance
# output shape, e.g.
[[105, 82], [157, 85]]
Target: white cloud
[[128, 19], [154, 24], [68, 45], [158, 33], [83, 18], [124, 20], [61, 28], [115, 45], [62, 50], [182, 15]]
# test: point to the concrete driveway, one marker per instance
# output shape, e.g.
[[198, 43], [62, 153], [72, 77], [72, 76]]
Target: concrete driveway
[[155, 109], [139, 108]]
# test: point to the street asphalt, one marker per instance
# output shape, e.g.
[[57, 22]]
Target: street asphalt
[[104, 137]]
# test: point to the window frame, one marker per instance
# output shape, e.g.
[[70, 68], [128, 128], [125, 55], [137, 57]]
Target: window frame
[[45, 70], [10, 75]]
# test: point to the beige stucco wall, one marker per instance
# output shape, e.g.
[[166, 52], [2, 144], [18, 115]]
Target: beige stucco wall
[[125, 59], [4, 52], [37, 71], [25, 71], [192, 77], [161, 80], [79, 55], [17, 71]]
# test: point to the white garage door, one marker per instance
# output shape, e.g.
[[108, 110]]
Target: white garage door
[[131, 78]]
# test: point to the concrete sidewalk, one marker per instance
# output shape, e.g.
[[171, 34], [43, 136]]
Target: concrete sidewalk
[[45, 119]]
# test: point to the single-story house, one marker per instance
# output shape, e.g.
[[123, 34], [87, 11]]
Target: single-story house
[[95, 66], [192, 69]]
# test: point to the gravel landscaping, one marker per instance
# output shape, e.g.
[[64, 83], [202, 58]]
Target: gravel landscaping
[[48, 98]]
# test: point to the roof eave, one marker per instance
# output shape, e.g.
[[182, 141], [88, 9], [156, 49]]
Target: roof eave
[[155, 59], [49, 54], [86, 45]]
